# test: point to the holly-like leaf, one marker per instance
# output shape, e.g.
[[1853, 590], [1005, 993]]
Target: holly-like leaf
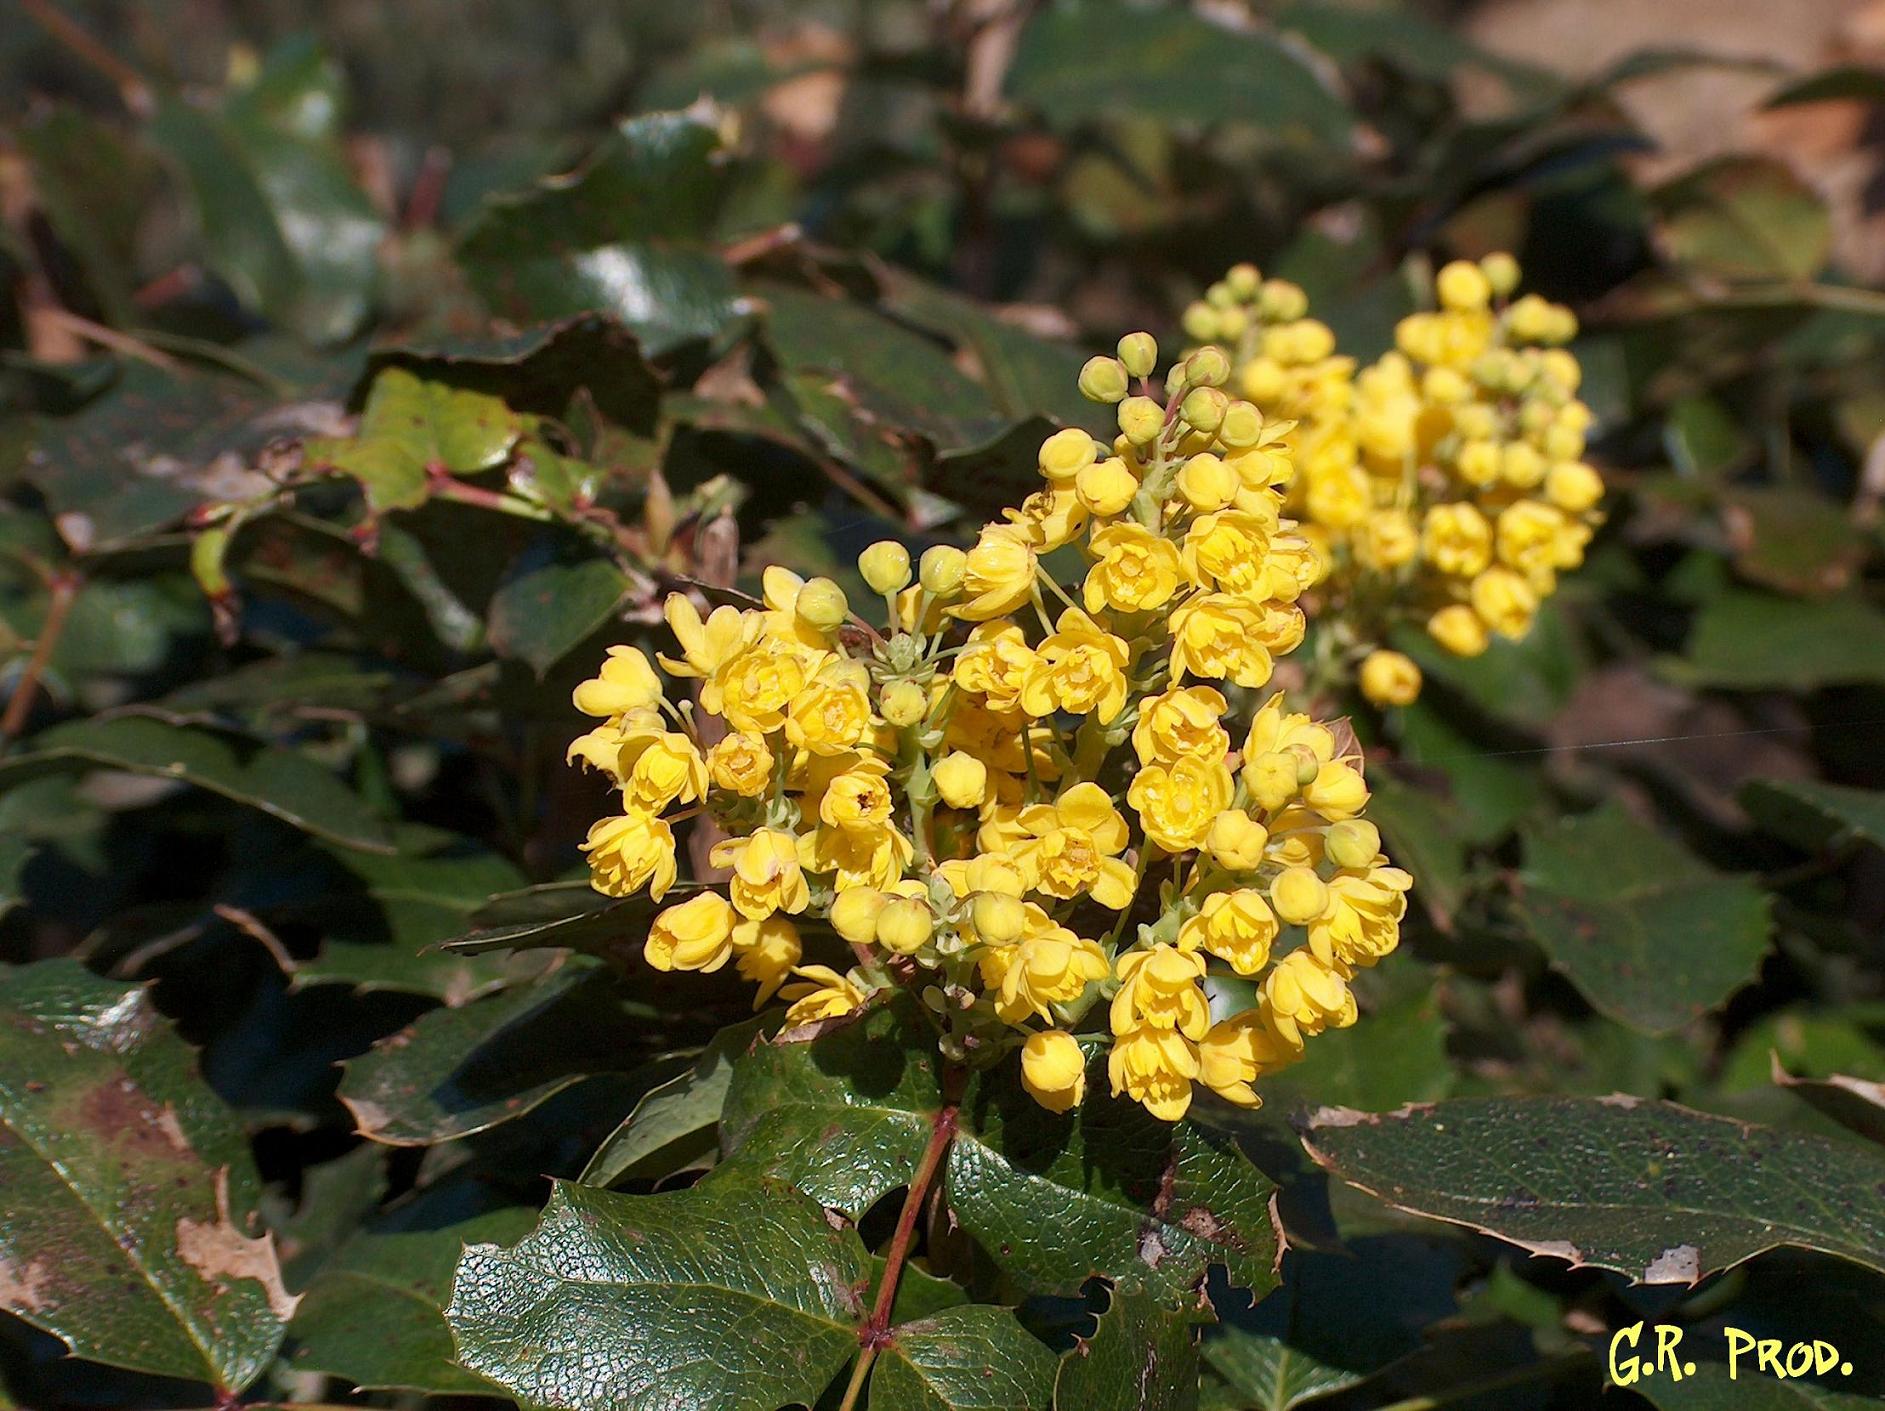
[[375, 1314], [586, 1311], [130, 1228], [1649, 1189], [1141, 1358], [551, 598], [282, 782], [1747, 641], [1650, 934], [677, 1122], [974, 1357], [412, 428], [1816, 814], [453, 1072]]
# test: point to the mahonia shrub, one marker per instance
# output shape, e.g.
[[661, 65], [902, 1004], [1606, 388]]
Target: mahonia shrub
[[1050, 809], [1444, 484]]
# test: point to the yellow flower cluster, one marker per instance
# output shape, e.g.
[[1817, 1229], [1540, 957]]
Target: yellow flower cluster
[[1067, 818], [1444, 484]]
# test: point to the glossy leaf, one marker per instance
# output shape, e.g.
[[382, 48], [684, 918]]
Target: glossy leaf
[[1649, 1189], [1649, 933], [974, 1357], [411, 429], [1141, 1358], [677, 1122], [551, 599], [130, 1228], [582, 1312]]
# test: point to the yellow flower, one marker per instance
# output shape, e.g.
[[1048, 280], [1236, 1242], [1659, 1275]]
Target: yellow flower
[[884, 567], [1386, 540], [1238, 1051], [822, 994], [1066, 453], [1299, 895], [998, 576], [1238, 927], [1154, 1067], [1389, 678], [1050, 518], [1236, 841], [1274, 729], [1158, 988], [1071, 847], [1052, 966], [1178, 802], [1339, 496], [1530, 535], [659, 767], [1305, 997], [961, 779], [857, 800], [765, 953], [741, 763], [1228, 551], [1456, 539], [1573, 487], [859, 857], [1183, 721], [833, 711], [766, 873], [1079, 668], [1136, 570], [696, 935], [628, 853], [626, 682], [994, 663], [1218, 635], [1053, 1070], [752, 688], [1106, 487], [707, 646], [1505, 602], [1362, 922], [1459, 630], [985, 872]]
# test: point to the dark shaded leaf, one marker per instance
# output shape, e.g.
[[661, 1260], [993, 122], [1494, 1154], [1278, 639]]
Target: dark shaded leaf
[[1815, 814], [677, 1123], [974, 1357], [1141, 1358], [552, 597], [1758, 641]]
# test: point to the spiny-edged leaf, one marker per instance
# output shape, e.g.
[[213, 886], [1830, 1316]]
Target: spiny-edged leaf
[[1337, 1319], [675, 1123], [1078, 65], [734, 1294], [375, 1315], [411, 428], [1141, 1358], [553, 595], [1650, 1189], [1710, 1388], [1749, 641], [130, 1228], [626, 233], [282, 782], [1651, 935], [1815, 814], [1745, 218], [974, 1357], [453, 1072]]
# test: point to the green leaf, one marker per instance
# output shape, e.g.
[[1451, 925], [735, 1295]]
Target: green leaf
[[677, 1122], [583, 1313], [1793, 540], [1423, 837], [1141, 1358], [411, 429], [91, 186], [1757, 641], [130, 1228], [552, 597], [1745, 218], [282, 782], [1651, 935], [453, 1072], [1710, 1388], [627, 233], [1816, 814], [975, 1357], [1846, 83], [375, 1315], [1649, 1189], [1854, 1103], [1526, 682], [1080, 64]]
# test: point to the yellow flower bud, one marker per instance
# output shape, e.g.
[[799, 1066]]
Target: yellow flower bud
[[1207, 483], [1521, 465], [1199, 321], [854, 913], [1104, 379], [1389, 679], [961, 779], [903, 703], [1299, 896], [1065, 454], [1106, 487], [1243, 280], [1463, 287], [1573, 487], [1138, 354], [1053, 1070], [1208, 367], [1501, 271], [696, 935], [1242, 426], [998, 919], [1204, 408], [1353, 843], [1459, 630], [821, 605], [1236, 841], [905, 925], [885, 566], [1141, 420], [1282, 302], [940, 570], [1271, 779]]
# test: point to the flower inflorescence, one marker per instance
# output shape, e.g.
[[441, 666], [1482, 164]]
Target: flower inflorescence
[[1444, 485], [1052, 812]]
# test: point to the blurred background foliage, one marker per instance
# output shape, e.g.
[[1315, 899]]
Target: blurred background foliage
[[365, 369]]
